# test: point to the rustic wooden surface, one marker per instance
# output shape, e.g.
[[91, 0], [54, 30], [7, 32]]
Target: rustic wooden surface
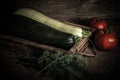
[[106, 63], [66, 9]]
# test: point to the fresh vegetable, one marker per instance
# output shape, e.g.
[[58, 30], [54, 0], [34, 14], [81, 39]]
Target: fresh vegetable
[[37, 27], [105, 40], [57, 63], [98, 23], [37, 16], [32, 25], [24, 27]]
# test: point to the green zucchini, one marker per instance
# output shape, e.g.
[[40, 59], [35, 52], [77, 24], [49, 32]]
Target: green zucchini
[[30, 29], [32, 25], [49, 21]]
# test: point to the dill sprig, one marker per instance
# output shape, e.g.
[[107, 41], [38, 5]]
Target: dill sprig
[[57, 65]]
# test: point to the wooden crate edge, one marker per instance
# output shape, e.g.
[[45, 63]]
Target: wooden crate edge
[[38, 45]]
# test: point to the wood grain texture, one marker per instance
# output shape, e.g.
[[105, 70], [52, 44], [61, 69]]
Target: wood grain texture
[[106, 63], [67, 9]]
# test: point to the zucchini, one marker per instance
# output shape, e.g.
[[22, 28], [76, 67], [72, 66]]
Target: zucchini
[[30, 29], [34, 26], [49, 21]]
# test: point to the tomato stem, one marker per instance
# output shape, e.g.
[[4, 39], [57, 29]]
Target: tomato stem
[[108, 30]]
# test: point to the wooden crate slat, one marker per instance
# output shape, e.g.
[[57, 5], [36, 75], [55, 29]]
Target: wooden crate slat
[[39, 45]]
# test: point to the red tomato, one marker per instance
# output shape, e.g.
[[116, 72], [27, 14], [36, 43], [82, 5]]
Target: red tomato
[[98, 23], [105, 41]]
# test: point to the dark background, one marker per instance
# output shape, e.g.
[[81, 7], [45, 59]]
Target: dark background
[[65, 9], [106, 63]]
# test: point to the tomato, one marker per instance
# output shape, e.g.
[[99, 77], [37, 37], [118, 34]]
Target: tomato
[[105, 41], [98, 23]]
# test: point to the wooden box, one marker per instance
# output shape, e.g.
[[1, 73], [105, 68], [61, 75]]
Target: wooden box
[[79, 47]]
